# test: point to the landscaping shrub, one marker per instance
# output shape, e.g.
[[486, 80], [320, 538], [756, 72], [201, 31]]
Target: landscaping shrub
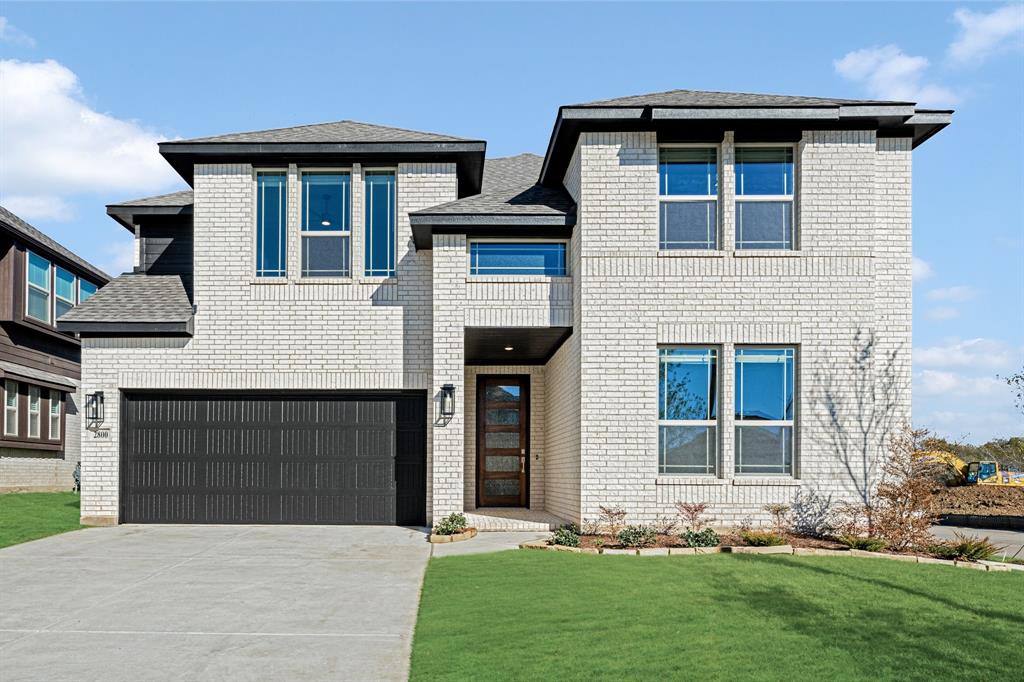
[[762, 538], [780, 517], [705, 538], [451, 524], [965, 549], [692, 514], [611, 519], [566, 536], [665, 525], [637, 536], [902, 513], [867, 544]]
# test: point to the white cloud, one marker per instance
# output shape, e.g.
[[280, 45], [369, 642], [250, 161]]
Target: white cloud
[[120, 257], [9, 33], [957, 294], [983, 35], [936, 382], [888, 73], [38, 207], [922, 269], [979, 354], [942, 313], [56, 145]]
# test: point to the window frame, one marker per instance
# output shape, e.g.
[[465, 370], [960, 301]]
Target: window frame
[[16, 408], [392, 270], [716, 422], [283, 269], [794, 349], [37, 413], [304, 234], [693, 198], [48, 291], [517, 240], [55, 399], [790, 198]]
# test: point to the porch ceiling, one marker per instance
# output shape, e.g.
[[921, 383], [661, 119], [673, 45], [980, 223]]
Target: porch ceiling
[[530, 345]]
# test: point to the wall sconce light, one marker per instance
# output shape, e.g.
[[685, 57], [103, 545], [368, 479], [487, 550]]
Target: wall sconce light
[[94, 409], [447, 402]]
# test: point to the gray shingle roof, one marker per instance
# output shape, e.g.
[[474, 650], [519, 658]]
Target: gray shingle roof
[[528, 199], [336, 132], [182, 198], [510, 170], [135, 298], [701, 98], [18, 225]]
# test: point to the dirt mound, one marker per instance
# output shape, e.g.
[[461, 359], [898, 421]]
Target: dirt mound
[[980, 500]]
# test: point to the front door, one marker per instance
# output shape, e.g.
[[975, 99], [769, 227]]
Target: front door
[[502, 441]]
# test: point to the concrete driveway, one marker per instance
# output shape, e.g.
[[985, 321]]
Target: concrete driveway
[[211, 602]]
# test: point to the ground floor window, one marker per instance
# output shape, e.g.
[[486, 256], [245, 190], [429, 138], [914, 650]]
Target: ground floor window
[[10, 408], [687, 410], [764, 410]]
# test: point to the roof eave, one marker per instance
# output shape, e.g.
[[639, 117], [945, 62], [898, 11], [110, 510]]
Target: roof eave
[[424, 227], [115, 328], [126, 215]]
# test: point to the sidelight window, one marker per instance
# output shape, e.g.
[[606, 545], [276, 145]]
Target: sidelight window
[[271, 223], [379, 197]]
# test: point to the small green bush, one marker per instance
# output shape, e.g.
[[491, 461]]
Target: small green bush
[[451, 524], [566, 536], [866, 544], [964, 548], [762, 538], [637, 536], [705, 538]]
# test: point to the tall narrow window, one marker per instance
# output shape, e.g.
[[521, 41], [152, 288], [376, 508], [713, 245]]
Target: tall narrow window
[[688, 185], [85, 290], [379, 197], [764, 410], [271, 224], [55, 405], [326, 224], [10, 408], [34, 411], [64, 288], [687, 411], [37, 305], [764, 197]]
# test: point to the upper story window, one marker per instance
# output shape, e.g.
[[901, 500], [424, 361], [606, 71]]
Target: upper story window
[[764, 410], [85, 290], [37, 299], [687, 410], [326, 224], [380, 243], [518, 258], [65, 290], [271, 223], [10, 408], [688, 189], [764, 197]]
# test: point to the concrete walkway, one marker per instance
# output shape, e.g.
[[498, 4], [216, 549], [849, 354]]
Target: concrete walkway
[[488, 542], [211, 603], [1011, 541]]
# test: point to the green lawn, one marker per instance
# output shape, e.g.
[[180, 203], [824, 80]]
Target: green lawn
[[540, 615], [30, 516]]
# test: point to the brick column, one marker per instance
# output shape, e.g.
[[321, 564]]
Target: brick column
[[727, 192]]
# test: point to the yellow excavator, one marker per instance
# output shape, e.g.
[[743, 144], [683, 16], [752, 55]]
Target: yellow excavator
[[975, 473]]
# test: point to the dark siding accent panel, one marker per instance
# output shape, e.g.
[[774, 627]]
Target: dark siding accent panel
[[167, 248], [327, 459]]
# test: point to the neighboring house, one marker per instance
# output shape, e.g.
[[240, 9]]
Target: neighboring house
[[693, 296], [39, 366]]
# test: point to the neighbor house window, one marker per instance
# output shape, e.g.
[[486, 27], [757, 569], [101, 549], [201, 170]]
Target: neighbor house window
[[65, 290], [54, 432], [688, 188], [326, 224], [764, 197], [85, 290], [520, 258], [37, 305], [271, 223], [764, 410], [10, 408], [379, 197], [687, 410], [34, 416]]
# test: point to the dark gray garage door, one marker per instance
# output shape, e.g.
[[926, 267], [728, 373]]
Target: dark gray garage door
[[248, 458]]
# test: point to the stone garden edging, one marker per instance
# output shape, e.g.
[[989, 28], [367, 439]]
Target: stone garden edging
[[779, 549], [455, 537]]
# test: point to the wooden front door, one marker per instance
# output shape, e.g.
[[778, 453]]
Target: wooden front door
[[502, 441]]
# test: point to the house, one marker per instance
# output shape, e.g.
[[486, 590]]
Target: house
[[39, 366], [692, 296]]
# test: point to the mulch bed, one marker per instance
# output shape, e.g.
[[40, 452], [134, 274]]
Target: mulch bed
[[730, 539]]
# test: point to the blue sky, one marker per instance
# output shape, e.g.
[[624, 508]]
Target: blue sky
[[88, 89]]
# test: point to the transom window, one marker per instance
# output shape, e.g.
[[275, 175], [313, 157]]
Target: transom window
[[65, 288], [764, 197], [764, 410], [271, 223], [688, 187], [517, 258], [379, 197], [37, 303], [326, 224], [687, 410], [10, 408]]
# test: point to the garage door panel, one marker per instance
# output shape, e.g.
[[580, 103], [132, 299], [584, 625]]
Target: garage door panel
[[274, 459]]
